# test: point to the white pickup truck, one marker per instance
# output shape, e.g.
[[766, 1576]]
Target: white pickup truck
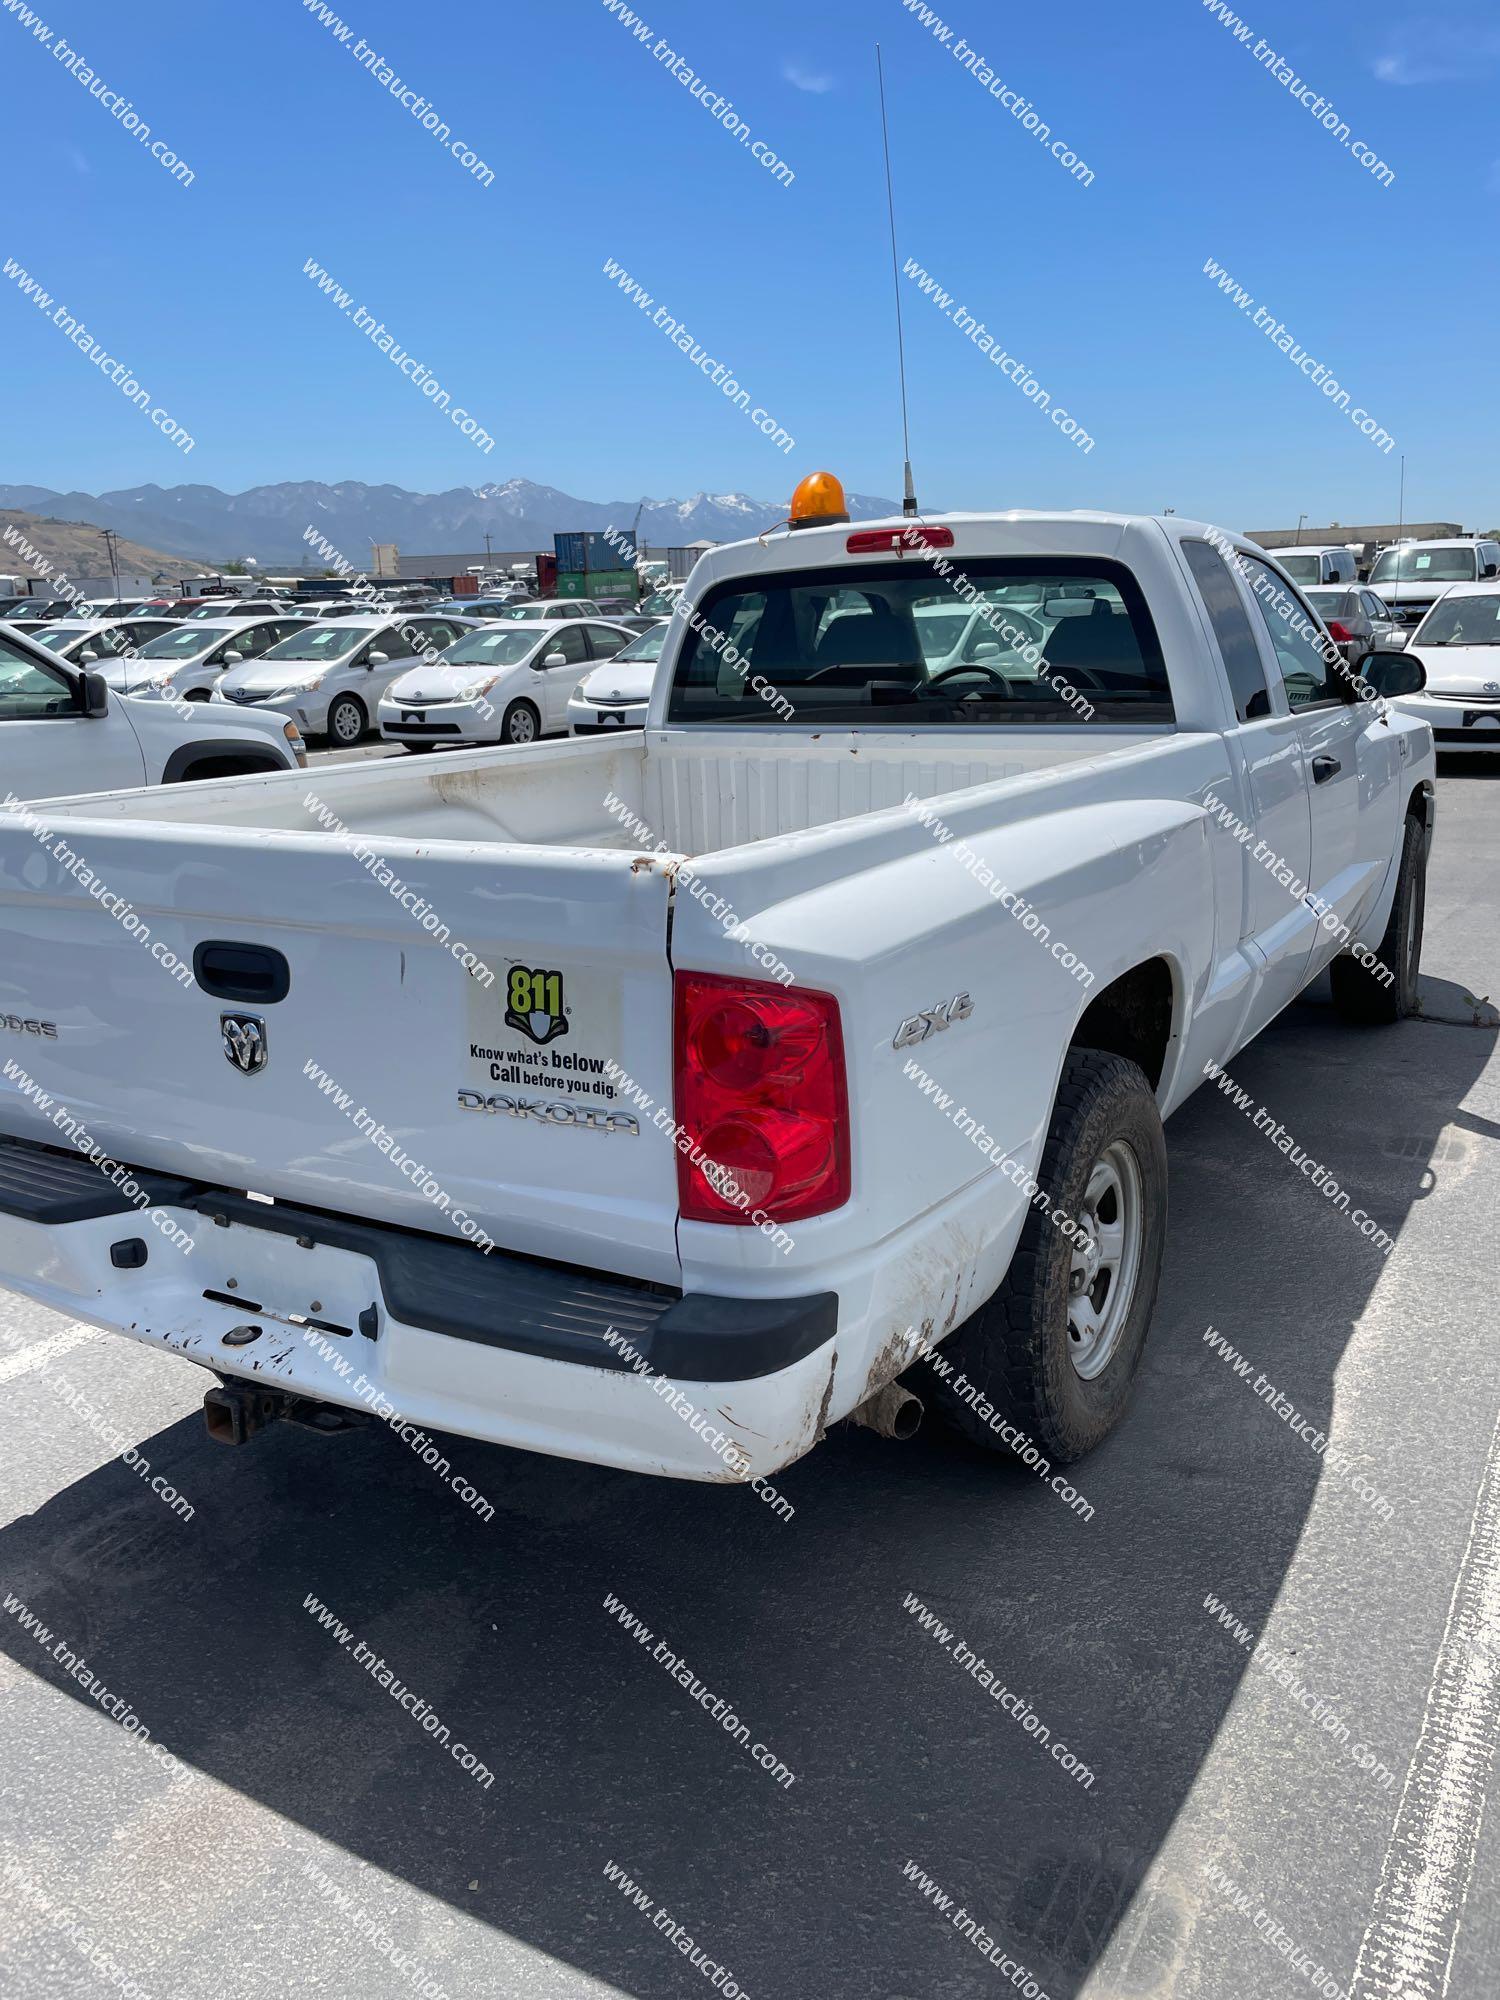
[[65, 729], [832, 1017]]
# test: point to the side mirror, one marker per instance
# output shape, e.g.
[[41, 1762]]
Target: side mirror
[[554, 659], [377, 660], [986, 652], [93, 696], [1393, 674]]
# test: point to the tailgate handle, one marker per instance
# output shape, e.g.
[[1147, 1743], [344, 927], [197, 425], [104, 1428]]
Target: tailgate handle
[[232, 971]]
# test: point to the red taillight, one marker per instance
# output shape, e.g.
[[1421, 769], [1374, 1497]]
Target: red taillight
[[762, 1100], [884, 541], [1340, 633]]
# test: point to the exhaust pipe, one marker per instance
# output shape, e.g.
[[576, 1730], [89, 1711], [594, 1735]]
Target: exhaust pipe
[[892, 1412]]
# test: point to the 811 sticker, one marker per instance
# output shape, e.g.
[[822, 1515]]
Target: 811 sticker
[[545, 1029], [534, 1004]]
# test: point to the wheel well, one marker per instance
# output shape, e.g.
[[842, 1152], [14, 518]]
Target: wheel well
[[1132, 1017], [222, 767]]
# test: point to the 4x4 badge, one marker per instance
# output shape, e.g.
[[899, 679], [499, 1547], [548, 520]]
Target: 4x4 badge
[[534, 1004]]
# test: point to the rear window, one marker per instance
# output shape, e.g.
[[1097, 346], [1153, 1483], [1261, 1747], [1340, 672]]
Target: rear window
[[1301, 569], [1002, 642]]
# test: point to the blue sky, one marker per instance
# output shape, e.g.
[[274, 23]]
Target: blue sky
[[1197, 152]]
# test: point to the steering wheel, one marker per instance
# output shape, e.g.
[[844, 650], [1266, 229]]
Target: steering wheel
[[974, 667]]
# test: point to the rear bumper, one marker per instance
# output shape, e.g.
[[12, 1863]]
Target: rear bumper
[[509, 1349]]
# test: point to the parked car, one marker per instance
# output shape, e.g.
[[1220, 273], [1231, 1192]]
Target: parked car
[[88, 641], [34, 612], [185, 663], [551, 607], [1308, 565], [242, 607], [329, 678], [1412, 576], [479, 607], [501, 683], [699, 1184], [1356, 619], [615, 696], [1458, 644], [114, 607], [62, 731]]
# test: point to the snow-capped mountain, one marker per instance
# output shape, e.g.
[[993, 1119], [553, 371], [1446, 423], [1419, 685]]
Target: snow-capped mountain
[[267, 522]]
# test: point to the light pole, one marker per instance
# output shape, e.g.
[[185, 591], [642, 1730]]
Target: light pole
[[1300, 519]]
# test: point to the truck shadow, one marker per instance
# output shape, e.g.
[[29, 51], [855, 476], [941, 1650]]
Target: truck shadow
[[803, 1627]]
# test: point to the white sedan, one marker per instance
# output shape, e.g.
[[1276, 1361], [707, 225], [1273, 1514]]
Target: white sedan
[[617, 695], [330, 678], [91, 642], [1458, 645], [504, 682], [185, 663]]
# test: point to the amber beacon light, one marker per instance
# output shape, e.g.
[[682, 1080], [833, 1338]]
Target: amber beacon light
[[818, 502]]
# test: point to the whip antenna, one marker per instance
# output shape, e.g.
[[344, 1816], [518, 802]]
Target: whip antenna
[[909, 497]]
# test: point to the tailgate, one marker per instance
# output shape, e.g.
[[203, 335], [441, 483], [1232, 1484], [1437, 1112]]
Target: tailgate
[[391, 1080]]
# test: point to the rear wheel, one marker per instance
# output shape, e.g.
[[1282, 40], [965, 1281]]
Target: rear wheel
[[520, 723], [1056, 1350], [1378, 991], [346, 721]]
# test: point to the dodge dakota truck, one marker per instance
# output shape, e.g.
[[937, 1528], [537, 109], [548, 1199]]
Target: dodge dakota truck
[[822, 1030]]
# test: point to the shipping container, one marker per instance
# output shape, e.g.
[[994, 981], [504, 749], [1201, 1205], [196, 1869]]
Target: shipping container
[[546, 575], [583, 552], [596, 583], [465, 585]]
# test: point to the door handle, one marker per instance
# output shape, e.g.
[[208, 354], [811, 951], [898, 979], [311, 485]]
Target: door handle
[[1325, 768]]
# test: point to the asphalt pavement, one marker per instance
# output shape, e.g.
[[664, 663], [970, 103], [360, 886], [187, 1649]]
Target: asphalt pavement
[[1154, 1807]]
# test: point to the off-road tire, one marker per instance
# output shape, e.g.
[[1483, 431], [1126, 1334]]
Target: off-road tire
[[1016, 1349], [1359, 993]]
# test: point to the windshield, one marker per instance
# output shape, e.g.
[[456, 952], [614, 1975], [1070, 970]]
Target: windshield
[[647, 647], [184, 642], [1301, 569], [495, 648], [55, 636], [1419, 565], [525, 611], [318, 642], [1461, 621], [877, 646]]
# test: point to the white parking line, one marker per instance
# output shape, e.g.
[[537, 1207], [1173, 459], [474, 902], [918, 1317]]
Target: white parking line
[[41, 1352], [1407, 1952]]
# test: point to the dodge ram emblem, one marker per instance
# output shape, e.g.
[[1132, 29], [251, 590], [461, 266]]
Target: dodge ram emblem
[[245, 1042]]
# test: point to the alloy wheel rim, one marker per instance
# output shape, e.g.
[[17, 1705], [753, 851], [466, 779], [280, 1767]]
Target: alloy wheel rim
[[1106, 1260]]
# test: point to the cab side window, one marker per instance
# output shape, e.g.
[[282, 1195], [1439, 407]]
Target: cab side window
[[30, 691], [1232, 628], [1311, 681], [570, 643]]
